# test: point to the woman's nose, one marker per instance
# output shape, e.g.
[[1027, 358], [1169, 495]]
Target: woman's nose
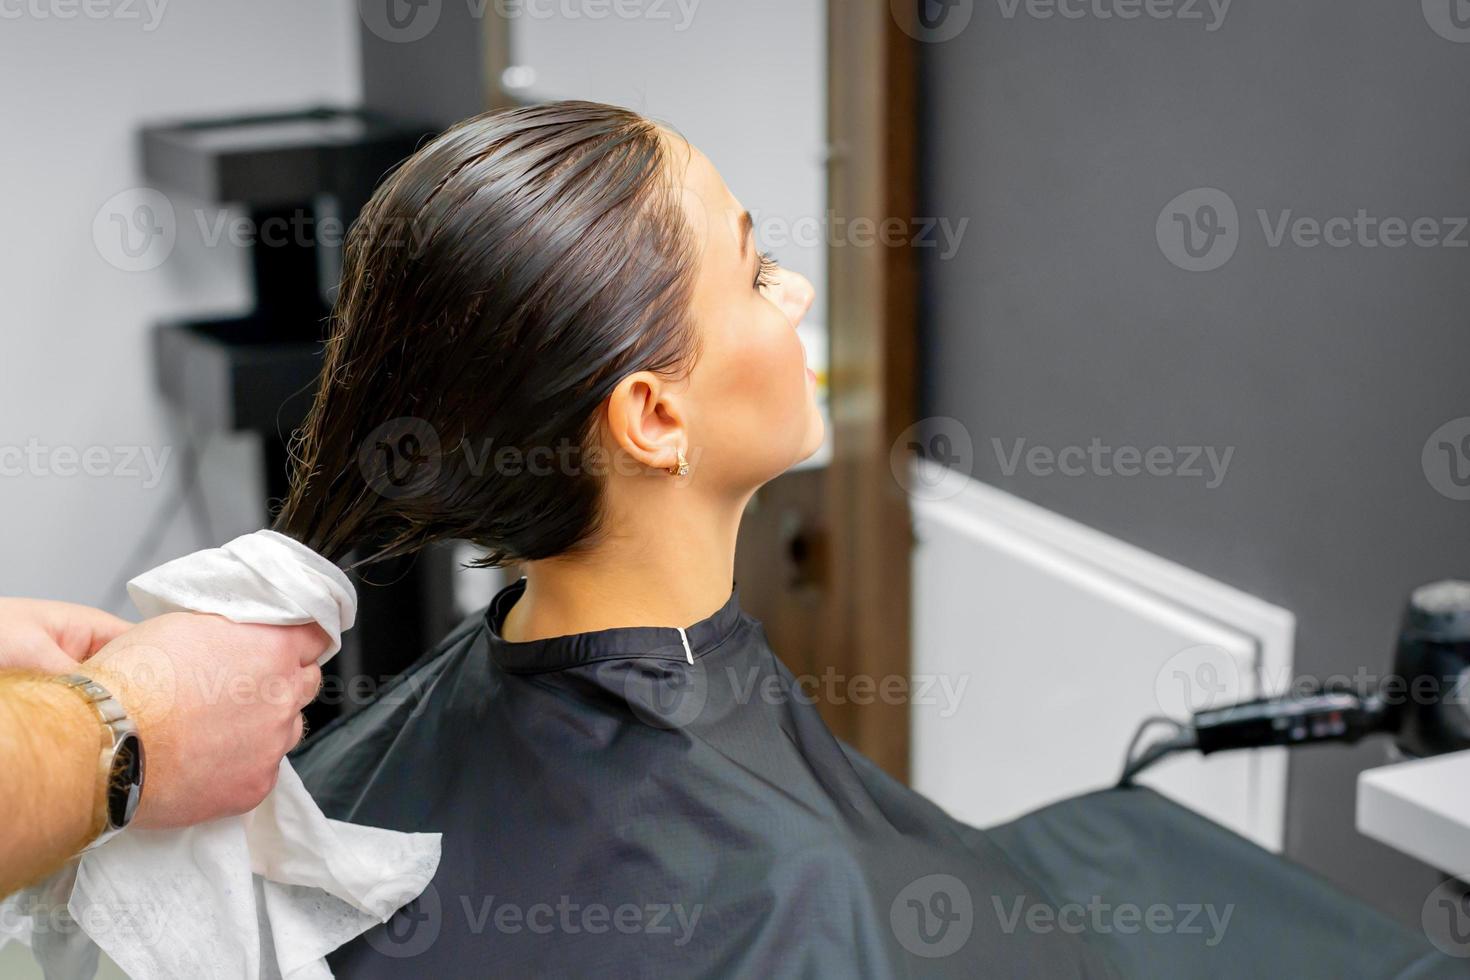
[[796, 295]]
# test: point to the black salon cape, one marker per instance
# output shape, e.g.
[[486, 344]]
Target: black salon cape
[[1133, 849], [610, 810]]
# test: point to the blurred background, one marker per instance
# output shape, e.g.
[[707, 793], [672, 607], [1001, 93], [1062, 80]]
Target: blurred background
[[1171, 298]]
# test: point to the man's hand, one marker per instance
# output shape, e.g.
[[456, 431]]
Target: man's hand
[[218, 704], [52, 637]]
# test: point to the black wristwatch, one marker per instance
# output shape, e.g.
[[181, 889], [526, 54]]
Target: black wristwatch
[[120, 767]]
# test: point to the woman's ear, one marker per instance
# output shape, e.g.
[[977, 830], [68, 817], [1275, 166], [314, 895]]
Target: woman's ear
[[645, 419]]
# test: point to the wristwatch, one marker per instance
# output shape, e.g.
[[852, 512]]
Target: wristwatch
[[120, 767]]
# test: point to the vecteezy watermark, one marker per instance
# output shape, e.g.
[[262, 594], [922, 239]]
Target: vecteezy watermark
[[1205, 676], [671, 693], [942, 441], [932, 21], [1210, 13], [933, 916], [135, 923], [948, 450], [416, 926], [941, 691], [1445, 918], [1200, 230], [1199, 678], [1446, 459], [1207, 463], [146, 464], [1450, 19], [403, 458], [403, 21], [135, 230], [834, 230], [148, 12], [1100, 918], [400, 21]]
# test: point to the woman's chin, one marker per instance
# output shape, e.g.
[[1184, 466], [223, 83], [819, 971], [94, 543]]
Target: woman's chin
[[816, 434]]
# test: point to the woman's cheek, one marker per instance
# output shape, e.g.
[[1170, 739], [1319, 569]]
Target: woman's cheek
[[788, 375], [759, 374]]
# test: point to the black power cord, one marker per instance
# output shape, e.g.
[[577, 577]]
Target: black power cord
[[1182, 740], [1324, 716]]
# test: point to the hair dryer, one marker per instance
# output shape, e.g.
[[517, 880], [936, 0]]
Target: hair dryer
[[1424, 703]]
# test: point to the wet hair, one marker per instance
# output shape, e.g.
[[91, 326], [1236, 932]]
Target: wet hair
[[494, 291]]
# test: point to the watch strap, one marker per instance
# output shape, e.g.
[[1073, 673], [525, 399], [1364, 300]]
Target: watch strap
[[116, 728]]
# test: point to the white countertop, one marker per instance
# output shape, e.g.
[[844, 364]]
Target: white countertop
[[1422, 808]]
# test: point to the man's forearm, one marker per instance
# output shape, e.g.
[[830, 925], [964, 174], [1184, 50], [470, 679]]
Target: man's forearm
[[50, 746]]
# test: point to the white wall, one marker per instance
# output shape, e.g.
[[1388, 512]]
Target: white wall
[[74, 361], [74, 355], [745, 81]]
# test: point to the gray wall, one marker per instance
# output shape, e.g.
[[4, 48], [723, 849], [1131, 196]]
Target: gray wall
[[1062, 318], [427, 63]]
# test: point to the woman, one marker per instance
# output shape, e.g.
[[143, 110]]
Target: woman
[[557, 338]]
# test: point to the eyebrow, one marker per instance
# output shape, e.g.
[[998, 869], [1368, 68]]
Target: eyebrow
[[747, 229]]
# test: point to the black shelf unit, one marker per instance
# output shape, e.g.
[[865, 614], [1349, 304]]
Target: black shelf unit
[[257, 372]]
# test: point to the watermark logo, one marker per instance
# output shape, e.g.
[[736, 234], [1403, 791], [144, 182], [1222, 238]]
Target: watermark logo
[[135, 230], [1207, 463], [1445, 918], [400, 21], [1450, 19], [1446, 459], [414, 927], [401, 458], [405, 457], [933, 916], [1100, 918], [1198, 678], [145, 464], [932, 21], [405, 21], [1211, 13], [659, 919], [1198, 231], [150, 12], [941, 440], [678, 12], [141, 924], [417, 925], [665, 694], [943, 236], [941, 692]]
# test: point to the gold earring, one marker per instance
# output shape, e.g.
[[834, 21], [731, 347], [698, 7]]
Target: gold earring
[[682, 468]]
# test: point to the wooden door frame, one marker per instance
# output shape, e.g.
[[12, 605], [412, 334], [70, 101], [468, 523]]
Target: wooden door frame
[[872, 101]]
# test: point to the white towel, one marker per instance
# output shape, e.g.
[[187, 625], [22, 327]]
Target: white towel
[[263, 896]]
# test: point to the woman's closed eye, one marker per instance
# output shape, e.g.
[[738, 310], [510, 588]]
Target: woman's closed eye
[[765, 274]]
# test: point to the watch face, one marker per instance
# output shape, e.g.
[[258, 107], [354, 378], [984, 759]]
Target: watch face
[[126, 786]]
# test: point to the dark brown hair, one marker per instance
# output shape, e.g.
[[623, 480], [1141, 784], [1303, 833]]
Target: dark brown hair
[[494, 291]]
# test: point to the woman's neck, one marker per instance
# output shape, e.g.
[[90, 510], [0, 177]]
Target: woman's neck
[[668, 566]]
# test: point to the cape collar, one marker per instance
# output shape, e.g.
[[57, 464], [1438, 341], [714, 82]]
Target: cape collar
[[641, 642]]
